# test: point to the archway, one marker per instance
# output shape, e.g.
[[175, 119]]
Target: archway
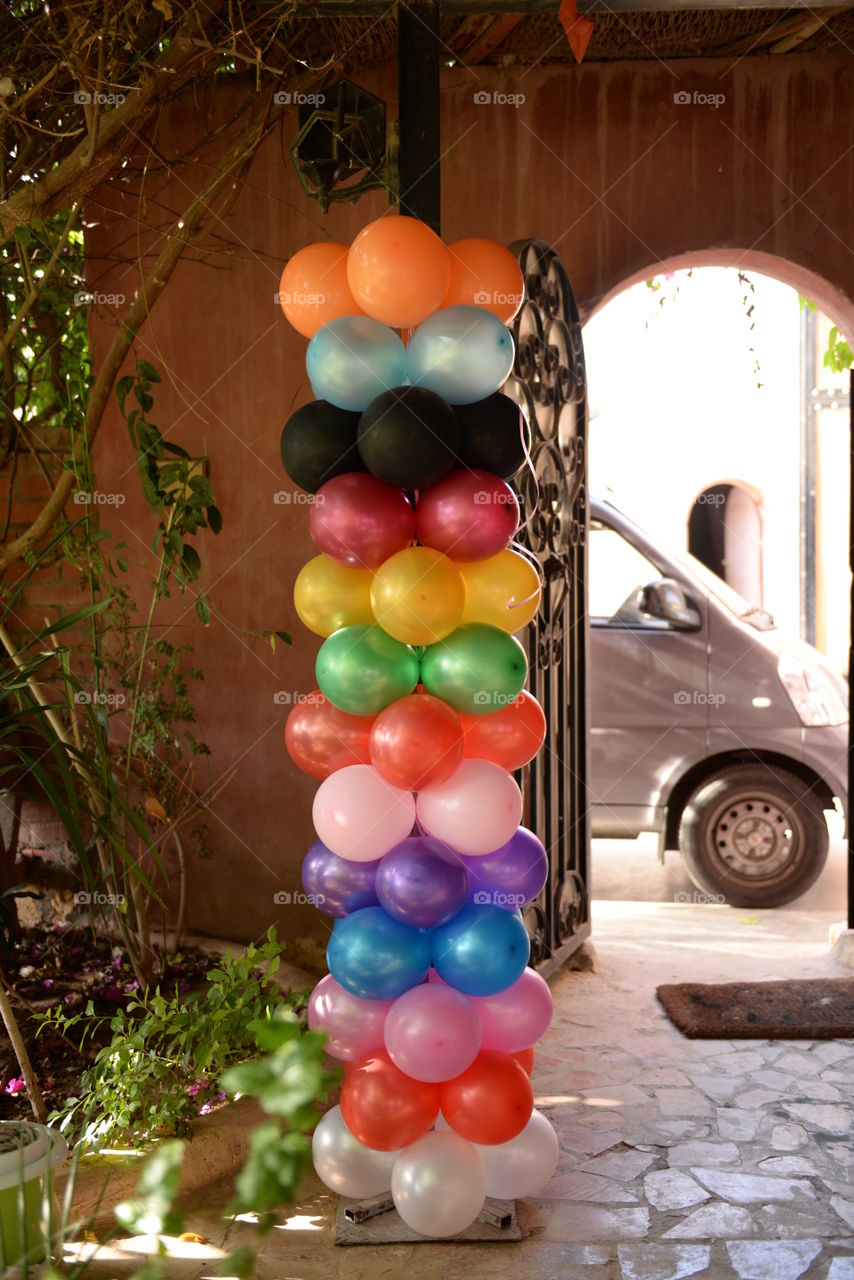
[[725, 532]]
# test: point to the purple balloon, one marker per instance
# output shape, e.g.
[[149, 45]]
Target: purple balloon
[[422, 882], [337, 885], [512, 875]]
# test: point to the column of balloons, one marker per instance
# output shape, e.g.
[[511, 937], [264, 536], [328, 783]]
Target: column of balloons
[[419, 720]]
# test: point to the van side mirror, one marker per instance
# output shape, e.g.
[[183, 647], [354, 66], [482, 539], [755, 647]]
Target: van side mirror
[[666, 600]]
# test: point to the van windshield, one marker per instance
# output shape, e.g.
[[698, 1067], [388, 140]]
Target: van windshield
[[743, 609]]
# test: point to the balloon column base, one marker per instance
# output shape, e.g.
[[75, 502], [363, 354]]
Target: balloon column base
[[376, 1221]]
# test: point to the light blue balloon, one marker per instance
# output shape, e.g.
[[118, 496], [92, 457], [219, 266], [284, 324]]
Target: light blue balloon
[[482, 951], [462, 353], [375, 957], [354, 359]]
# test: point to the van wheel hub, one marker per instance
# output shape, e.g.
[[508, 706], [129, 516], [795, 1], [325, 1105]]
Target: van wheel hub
[[754, 837]]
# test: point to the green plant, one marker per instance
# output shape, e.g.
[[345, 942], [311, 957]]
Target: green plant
[[166, 1052], [838, 357]]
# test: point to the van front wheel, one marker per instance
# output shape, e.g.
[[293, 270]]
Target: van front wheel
[[753, 836]]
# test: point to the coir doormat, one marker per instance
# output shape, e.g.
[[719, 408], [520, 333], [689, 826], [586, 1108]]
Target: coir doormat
[[812, 1009]]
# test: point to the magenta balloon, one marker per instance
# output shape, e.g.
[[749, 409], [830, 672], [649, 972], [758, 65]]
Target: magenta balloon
[[432, 1033], [359, 521], [516, 1017], [354, 1027], [469, 515]]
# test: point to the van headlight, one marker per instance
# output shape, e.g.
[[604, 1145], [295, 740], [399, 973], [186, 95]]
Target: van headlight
[[812, 693]]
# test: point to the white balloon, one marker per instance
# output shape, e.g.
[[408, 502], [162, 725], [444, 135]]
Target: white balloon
[[360, 816], [344, 1164], [438, 1184], [522, 1166], [475, 811]]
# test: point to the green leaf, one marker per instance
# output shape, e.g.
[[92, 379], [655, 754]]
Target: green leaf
[[24, 237], [203, 610], [145, 369], [202, 487], [191, 562], [284, 636], [214, 517]]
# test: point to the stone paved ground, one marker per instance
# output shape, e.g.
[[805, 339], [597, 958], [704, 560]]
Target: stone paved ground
[[678, 1157]]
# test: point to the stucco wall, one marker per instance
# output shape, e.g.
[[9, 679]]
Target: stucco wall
[[600, 161]]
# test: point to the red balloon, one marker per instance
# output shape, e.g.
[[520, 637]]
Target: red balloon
[[321, 739], [385, 1109], [469, 515], [525, 1058], [509, 737], [359, 521], [490, 1102], [416, 742]]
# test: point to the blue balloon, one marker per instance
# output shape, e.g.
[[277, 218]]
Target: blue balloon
[[354, 359], [338, 886], [462, 353], [377, 958], [422, 882], [510, 876], [482, 951]]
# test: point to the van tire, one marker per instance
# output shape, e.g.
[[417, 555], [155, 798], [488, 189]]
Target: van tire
[[746, 815]]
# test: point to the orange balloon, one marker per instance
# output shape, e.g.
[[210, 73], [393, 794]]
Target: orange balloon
[[385, 1109], [525, 1058], [314, 289], [416, 742], [321, 739], [510, 736], [485, 274], [398, 271], [490, 1102]]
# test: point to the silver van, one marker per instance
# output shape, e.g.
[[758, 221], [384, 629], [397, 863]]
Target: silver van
[[708, 725]]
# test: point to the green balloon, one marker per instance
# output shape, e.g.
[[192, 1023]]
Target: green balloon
[[477, 669], [360, 669]]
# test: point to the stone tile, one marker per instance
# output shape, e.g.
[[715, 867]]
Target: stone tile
[[833, 1050], [820, 1115], [663, 1077], [579, 1137], [822, 1091], [583, 1223], [703, 1153], [799, 1064], [754, 1098], [665, 1133], [588, 1187], [683, 1102], [788, 1166], [788, 1137], [770, 1078], [752, 1188], [721, 1088], [625, 1166], [621, 1095], [671, 1189], [740, 1064], [845, 1209], [737, 1124], [661, 1261], [841, 1153], [714, 1221], [788, 1223], [772, 1259], [841, 1269]]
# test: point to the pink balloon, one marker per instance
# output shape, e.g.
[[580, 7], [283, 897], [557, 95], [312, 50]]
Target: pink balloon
[[359, 521], [516, 1017], [432, 1033], [360, 816], [354, 1027], [476, 811], [469, 515]]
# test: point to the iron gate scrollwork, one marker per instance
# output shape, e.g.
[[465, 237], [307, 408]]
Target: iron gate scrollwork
[[549, 382]]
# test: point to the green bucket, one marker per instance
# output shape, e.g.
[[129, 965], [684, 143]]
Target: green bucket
[[27, 1211]]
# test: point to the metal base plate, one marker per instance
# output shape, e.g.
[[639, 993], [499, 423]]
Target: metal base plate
[[389, 1227]]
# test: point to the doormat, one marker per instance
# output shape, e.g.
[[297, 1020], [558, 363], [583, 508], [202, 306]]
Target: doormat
[[811, 1009]]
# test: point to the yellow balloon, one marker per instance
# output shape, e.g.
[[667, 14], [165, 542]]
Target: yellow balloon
[[418, 595], [329, 595], [503, 591]]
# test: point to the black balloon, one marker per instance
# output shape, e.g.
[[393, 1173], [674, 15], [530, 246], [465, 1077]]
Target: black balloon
[[319, 442], [495, 435], [409, 437]]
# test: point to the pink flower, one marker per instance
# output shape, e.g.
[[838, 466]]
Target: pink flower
[[206, 1109], [16, 1086]]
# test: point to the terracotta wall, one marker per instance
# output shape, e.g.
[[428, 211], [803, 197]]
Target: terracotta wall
[[599, 160]]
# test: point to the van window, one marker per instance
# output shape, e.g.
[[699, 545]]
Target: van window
[[617, 574]]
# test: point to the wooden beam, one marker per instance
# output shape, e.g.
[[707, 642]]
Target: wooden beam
[[385, 8], [482, 43], [418, 110]]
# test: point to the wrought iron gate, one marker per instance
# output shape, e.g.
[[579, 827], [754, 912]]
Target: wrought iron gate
[[549, 382]]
